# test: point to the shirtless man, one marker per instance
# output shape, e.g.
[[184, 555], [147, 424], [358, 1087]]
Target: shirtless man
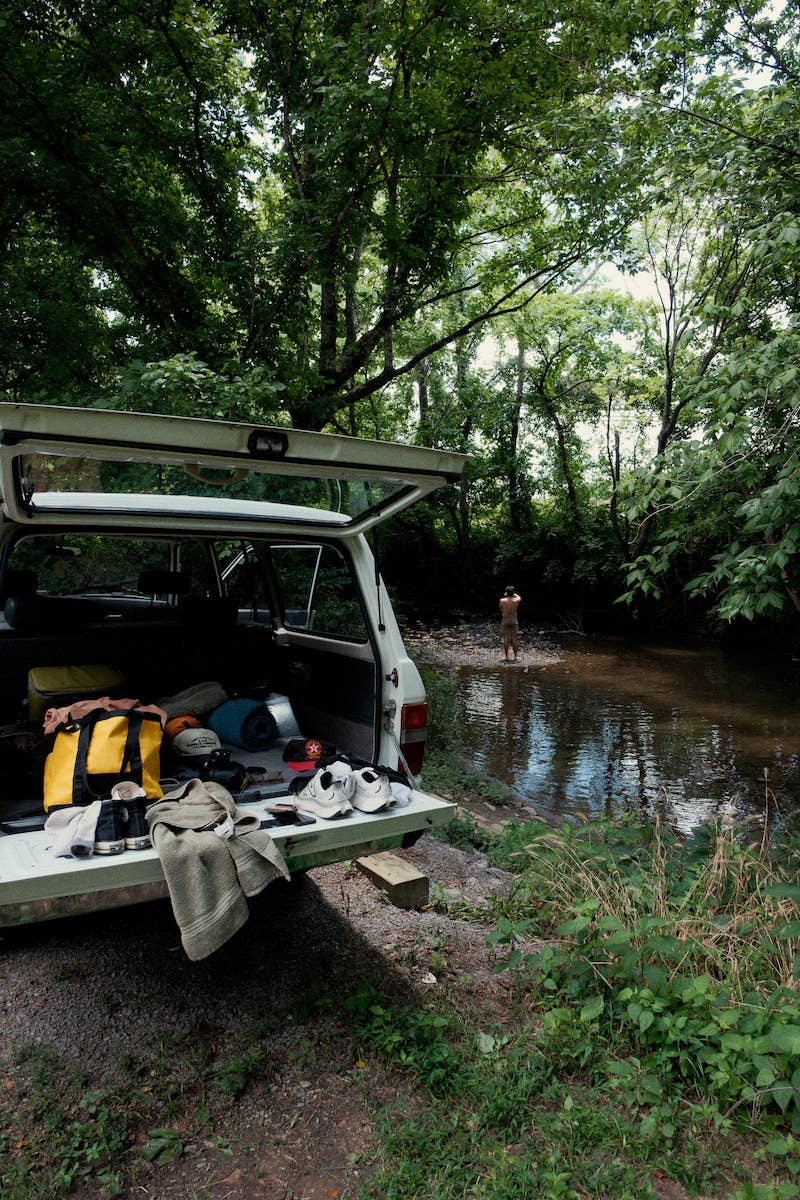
[[509, 626]]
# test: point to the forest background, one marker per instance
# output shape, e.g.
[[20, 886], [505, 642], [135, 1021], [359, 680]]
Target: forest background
[[562, 237]]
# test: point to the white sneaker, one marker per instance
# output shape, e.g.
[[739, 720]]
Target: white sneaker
[[339, 769], [372, 791], [325, 796]]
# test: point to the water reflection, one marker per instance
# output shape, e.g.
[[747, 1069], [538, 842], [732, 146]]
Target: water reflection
[[614, 728]]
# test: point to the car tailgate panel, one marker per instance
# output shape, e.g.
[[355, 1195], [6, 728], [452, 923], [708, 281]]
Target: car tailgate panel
[[34, 885]]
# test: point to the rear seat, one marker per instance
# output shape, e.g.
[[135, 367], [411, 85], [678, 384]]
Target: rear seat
[[49, 614], [159, 647]]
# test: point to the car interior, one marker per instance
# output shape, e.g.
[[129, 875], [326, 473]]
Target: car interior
[[261, 617]]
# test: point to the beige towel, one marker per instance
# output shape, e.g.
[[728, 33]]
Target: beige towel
[[214, 855]]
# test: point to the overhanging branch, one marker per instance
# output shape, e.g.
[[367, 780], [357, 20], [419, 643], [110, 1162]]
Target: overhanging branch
[[503, 306]]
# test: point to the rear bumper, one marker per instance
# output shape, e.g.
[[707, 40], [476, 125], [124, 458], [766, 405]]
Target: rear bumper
[[35, 886]]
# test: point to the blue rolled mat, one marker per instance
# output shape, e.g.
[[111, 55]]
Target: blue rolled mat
[[245, 723]]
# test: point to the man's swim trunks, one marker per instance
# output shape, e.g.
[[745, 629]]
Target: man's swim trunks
[[510, 624]]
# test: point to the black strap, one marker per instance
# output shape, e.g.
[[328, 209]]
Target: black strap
[[131, 756]]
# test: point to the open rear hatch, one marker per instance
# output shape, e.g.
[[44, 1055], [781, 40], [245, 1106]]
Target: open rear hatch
[[57, 464]]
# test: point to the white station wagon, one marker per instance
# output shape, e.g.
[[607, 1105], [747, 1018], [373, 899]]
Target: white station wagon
[[179, 551]]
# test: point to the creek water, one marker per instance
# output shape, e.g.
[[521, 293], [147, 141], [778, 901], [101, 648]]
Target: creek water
[[612, 728]]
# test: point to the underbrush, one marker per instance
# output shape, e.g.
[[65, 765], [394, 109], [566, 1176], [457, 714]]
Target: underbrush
[[669, 977], [497, 1115]]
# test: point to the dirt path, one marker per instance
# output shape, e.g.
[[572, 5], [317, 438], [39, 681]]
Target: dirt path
[[117, 987]]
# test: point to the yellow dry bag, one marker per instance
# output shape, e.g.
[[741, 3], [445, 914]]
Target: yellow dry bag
[[92, 753]]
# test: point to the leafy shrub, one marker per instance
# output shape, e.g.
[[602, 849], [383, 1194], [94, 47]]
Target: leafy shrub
[[683, 959]]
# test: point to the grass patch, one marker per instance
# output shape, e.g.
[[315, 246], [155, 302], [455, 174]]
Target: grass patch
[[657, 1032], [669, 977], [62, 1130], [496, 1117]]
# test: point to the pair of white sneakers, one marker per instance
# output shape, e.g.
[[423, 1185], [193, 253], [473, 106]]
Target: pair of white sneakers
[[337, 789]]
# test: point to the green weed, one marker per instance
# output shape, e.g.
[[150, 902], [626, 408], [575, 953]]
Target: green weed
[[662, 983], [492, 1116], [63, 1133]]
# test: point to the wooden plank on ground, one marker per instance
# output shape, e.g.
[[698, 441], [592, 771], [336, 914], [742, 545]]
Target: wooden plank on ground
[[403, 884]]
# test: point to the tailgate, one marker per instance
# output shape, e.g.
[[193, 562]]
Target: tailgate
[[35, 886]]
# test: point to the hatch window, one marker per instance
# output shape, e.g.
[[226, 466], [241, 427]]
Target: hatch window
[[52, 482]]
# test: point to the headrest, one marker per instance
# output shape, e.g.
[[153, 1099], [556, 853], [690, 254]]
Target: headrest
[[19, 583], [164, 583], [208, 610]]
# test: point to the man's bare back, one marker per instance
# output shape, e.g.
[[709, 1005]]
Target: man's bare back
[[509, 626]]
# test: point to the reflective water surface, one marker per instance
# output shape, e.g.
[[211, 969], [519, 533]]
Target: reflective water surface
[[616, 728]]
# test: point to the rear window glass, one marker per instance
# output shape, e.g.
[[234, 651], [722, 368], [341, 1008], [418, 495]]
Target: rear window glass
[[52, 482]]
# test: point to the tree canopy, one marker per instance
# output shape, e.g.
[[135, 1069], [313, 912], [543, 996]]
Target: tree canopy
[[391, 218], [288, 187]]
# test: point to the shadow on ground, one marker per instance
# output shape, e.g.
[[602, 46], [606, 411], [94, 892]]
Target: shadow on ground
[[114, 992]]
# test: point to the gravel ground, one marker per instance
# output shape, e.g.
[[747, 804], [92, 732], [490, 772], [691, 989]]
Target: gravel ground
[[124, 976], [477, 644]]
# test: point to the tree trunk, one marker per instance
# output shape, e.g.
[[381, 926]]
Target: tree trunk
[[515, 498]]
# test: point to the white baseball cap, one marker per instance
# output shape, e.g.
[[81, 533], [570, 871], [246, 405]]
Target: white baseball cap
[[190, 742]]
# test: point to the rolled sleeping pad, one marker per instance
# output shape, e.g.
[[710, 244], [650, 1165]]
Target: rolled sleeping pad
[[245, 723]]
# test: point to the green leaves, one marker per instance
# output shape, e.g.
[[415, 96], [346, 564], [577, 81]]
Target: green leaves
[[592, 1009], [163, 1146], [785, 1038]]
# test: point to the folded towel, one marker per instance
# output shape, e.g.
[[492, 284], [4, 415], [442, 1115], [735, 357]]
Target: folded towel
[[214, 855], [245, 723]]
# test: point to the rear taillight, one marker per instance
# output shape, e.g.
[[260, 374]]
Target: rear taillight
[[413, 735]]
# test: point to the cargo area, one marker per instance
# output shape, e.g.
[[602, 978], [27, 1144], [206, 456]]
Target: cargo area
[[168, 614], [272, 621]]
